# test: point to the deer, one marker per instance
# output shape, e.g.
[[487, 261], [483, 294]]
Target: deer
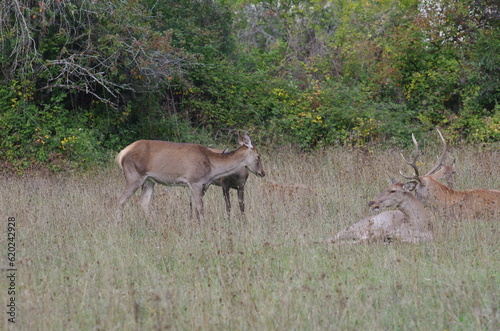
[[472, 204], [147, 162], [235, 181], [385, 221], [409, 224], [448, 171]]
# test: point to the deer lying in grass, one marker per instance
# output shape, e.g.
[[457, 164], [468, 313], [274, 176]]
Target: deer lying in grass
[[469, 204], [408, 224], [448, 172], [146, 162], [385, 222], [235, 181]]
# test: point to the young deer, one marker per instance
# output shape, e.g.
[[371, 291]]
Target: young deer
[[235, 181]]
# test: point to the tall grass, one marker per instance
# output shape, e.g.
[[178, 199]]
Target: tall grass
[[78, 269]]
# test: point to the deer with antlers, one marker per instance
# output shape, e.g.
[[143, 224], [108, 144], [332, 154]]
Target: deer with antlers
[[408, 224], [468, 204], [383, 226]]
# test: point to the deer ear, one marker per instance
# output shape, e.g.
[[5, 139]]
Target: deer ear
[[244, 140], [393, 180], [410, 186], [438, 174]]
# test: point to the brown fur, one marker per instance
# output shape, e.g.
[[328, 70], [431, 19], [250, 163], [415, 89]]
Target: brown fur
[[448, 171], [235, 181], [469, 204], [409, 224], [146, 162], [300, 198], [380, 226]]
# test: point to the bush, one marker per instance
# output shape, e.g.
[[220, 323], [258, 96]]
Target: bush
[[34, 136]]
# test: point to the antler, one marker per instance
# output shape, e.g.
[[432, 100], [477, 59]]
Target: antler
[[414, 163], [441, 158]]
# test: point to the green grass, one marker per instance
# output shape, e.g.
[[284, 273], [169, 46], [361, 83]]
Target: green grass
[[78, 269]]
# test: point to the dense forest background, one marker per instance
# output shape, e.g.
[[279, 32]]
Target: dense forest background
[[80, 79]]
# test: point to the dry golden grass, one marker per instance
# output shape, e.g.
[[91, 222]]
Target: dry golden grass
[[78, 269]]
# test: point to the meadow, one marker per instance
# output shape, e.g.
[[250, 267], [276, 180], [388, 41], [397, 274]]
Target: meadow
[[79, 269]]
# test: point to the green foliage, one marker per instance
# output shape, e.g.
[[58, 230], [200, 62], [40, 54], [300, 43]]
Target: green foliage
[[475, 128], [100, 74], [486, 53], [200, 27], [314, 118], [157, 124], [224, 97], [47, 135]]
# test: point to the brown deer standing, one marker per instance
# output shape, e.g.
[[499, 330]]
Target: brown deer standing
[[408, 224], [146, 162], [468, 204]]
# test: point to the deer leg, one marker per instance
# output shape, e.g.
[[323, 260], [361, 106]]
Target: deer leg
[[227, 199], [241, 200], [345, 235], [147, 193], [191, 206], [197, 202], [133, 183], [356, 233]]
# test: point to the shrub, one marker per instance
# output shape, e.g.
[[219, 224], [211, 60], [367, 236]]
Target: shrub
[[32, 136]]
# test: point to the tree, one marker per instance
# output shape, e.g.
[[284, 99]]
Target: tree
[[100, 48], [70, 71]]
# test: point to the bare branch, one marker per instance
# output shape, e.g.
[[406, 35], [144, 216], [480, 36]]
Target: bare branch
[[103, 58]]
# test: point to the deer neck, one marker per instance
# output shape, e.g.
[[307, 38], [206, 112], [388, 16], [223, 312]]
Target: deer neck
[[228, 163], [436, 192], [413, 209]]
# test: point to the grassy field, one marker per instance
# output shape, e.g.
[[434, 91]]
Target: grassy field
[[78, 269]]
